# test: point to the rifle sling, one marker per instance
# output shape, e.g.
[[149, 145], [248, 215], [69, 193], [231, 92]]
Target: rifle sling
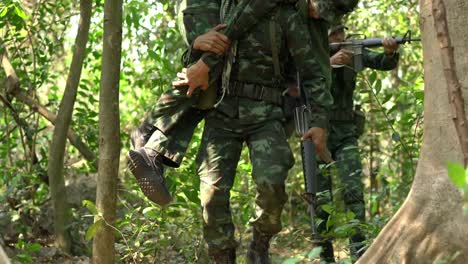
[[274, 49]]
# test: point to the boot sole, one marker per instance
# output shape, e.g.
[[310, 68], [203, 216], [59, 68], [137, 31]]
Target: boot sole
[[147, 179]]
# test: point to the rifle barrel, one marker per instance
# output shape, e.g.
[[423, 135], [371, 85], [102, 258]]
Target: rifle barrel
[[367, 43]]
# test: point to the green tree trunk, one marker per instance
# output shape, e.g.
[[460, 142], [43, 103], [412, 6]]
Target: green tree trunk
[[109, 132], [62, 123], [431, 225]]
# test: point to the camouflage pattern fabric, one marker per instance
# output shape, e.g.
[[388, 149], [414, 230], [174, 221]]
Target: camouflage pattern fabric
[[173, 107], [298, 45], [258, 123], [196, 17], [343, 141], [175, 119], [217, 160], [334, 10], [254, 61]]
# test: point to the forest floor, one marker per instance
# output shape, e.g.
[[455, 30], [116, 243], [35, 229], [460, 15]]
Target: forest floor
[[289, 247]]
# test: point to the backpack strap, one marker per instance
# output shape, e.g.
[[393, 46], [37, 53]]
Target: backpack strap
[[275, 49]]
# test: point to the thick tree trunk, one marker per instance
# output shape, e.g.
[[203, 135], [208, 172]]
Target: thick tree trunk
[[62, 123], [431, 225], [109, 132], [3, 257]]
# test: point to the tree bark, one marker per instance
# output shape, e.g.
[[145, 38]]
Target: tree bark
[[431, 225], [454, 86], [62, 124], [109, 133], [3, 256]]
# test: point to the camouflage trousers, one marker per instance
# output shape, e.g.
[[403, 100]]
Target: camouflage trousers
[[217, 160], [175, 119], [343, 145]]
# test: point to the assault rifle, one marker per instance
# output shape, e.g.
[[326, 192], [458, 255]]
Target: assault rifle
[[309, 163], [357, 46]]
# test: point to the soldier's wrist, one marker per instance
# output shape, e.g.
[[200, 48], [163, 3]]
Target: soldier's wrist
[[195, 53], [210, 59]]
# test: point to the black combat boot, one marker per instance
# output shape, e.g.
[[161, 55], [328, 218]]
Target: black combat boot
[[227, 256], [147, 167], [357, 245], [327, 253], [258, 249], [141, 135]]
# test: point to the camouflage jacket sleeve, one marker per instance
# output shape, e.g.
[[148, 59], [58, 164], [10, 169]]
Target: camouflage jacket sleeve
[[313, 77], [199, 16], [318, 30], [379, 60], [241, 20]]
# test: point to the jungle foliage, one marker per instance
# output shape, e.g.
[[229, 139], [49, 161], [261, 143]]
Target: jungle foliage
[[37, 36]]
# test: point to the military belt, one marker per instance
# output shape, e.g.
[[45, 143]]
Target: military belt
[[342, 115], [256, 92]]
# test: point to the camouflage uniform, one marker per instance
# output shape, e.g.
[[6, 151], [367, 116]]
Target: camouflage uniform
[[241, 118], [170, 125], [175, 116], [174, 110], [346, 125]]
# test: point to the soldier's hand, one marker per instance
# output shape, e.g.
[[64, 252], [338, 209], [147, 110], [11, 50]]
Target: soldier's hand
[[342, 57], [313, 10], [319, 138], [390, 45], [195, 77], [212, 41]]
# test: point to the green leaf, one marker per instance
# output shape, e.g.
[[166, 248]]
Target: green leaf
[[3, 11], [151, 212], [330, 222], [20, 12], [327, 208], [372, 77], [91, 207], [419, 95], [34, 247], [192, 195], [314, 253], [456, 173], [291, 261], [350, 215], [93, 229]]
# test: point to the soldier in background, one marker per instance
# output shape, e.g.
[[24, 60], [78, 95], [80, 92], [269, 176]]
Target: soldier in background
[[346, 125]]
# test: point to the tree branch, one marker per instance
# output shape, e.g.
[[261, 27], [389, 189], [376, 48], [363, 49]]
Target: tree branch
[[12, 87], [456, 100]]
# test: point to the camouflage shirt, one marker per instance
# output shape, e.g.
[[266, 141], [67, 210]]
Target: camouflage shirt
[[254, 61], [196, 17]]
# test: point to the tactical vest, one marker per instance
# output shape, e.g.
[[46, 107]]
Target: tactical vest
[[258, 92]]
